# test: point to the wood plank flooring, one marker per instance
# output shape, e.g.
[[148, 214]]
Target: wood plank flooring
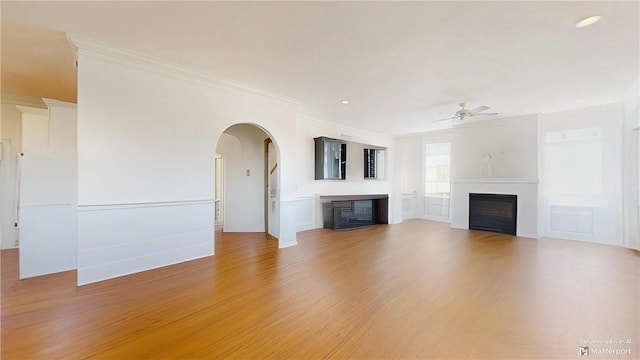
[[414, 290]]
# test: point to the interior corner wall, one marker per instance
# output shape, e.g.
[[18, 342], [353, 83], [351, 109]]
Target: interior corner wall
[[11, 137], [10, 127], [146, 145], [409, 178], [47, 212]]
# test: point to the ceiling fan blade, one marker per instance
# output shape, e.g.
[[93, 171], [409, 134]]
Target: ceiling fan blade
[[445, 119], [479, 109], [476, 114]]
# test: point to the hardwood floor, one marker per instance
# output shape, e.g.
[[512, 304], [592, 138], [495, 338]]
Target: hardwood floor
[[415, 290]]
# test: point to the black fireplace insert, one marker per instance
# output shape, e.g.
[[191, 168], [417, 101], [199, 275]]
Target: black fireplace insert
[[493, 212], [346, 212]]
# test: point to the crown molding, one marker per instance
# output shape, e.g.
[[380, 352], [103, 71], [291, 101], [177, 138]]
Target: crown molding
[[32, 110], [53, 102], [83, 45], [344, 132], [348, 133], [22, 100]]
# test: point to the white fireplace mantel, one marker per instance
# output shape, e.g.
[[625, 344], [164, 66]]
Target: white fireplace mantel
[[525, 189]]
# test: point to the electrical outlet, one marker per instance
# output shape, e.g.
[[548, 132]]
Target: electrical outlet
[[16, 243]]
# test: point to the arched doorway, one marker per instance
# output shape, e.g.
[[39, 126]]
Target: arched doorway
[[249, 200]]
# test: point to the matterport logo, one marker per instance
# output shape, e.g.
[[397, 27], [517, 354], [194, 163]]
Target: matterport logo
[[608, 347]]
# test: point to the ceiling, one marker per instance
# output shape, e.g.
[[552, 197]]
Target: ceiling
[[401, 64]]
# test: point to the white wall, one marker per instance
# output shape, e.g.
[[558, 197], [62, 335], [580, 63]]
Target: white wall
[[512, 143], [140, 139], [354, 184], [409, 178], [47, 217], [631, 169], [11, 125], [597, 208], [242, 148], [147, 132]]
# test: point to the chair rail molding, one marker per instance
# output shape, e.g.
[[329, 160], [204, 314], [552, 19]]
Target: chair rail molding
[[496, 181]]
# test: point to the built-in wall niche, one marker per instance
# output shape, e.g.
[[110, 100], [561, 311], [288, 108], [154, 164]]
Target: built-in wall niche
[[331, 159], [374, 162]]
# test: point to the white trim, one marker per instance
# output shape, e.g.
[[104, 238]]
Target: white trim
[[527, 235], [105, 207], [12, 99], [149, 63], [496, 181], [303, 198], [355, 136], [286, 245], [53, 102], [444, 219], [291, 200], [73, 48], [42, 205], [348, 197], [33, 110]]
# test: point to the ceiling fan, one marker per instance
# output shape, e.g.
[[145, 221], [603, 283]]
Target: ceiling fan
[[464, 113]]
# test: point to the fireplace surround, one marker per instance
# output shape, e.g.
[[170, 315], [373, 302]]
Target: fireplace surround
[[525, 189]]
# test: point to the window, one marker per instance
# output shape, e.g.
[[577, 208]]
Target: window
[[437, 184]]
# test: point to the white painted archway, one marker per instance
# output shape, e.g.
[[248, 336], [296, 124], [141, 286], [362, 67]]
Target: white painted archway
[[247, 209]]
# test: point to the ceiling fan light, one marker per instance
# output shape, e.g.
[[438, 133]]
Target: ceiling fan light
[[588, 21]]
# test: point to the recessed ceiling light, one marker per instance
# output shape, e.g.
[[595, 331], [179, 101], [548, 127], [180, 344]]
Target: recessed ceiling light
[[344, 102], [588, 21]]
